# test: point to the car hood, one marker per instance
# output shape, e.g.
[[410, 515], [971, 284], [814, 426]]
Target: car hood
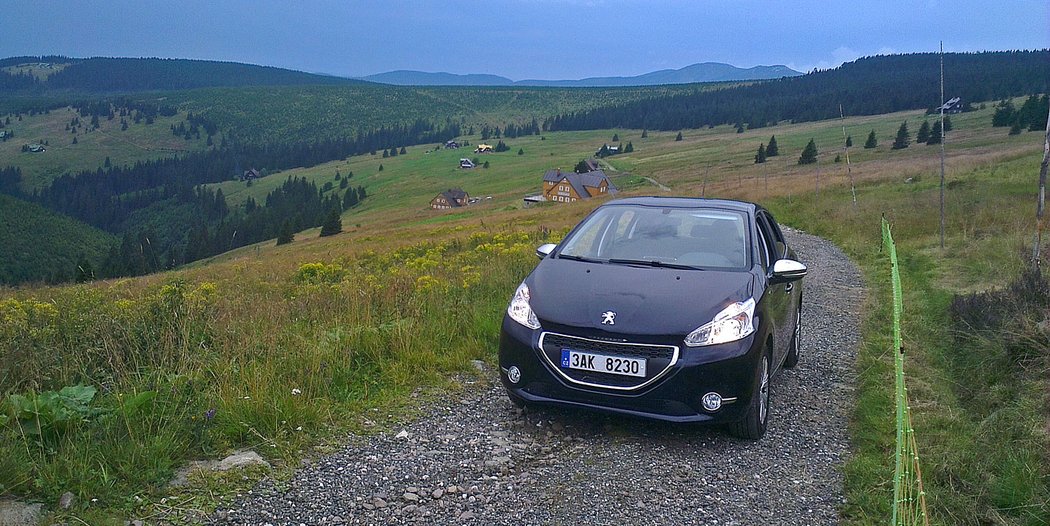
[[645, 300]]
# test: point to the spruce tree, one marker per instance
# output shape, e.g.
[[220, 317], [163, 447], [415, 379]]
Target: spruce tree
[[645, 134], [760, 157], [285, 235], [581, 167], [935, 134], [332, 224], [521, 151], [349, 199], [629, 148], [849, 141], [772, 150], [403, 151], [616, 137], [924, 132], [809, 154], [947, 124], [872, 141], [678, 137], [903, 137]]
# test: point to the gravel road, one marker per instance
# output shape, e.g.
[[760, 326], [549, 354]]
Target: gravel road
[[476, 459]]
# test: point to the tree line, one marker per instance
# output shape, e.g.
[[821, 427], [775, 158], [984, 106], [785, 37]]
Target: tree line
[[868, 86]]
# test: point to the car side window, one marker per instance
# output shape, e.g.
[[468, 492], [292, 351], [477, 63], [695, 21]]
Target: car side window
[[767, 240], [763, 247], [778, 235]]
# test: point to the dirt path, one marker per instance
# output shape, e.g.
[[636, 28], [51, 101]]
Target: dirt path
[[476, 459]]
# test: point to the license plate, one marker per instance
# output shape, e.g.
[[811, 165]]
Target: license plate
[[601, 363]]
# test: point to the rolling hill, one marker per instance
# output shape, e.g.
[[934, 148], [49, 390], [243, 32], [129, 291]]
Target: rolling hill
[[108, 75], [703, 72], [41, 245]]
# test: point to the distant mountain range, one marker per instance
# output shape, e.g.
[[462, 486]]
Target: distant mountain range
[[704, 72]]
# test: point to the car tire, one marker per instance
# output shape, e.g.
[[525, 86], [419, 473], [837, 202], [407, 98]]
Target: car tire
[[516, 400], [755, 421], [795, 348]]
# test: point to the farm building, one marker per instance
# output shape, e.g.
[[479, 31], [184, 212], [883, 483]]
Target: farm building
[[569, 187], [451, 145], [466, 163], [483, 148], [248, 175], [451, 198], [34, 148]]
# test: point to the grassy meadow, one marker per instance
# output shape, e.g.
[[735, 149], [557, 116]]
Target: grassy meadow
[[140, 142], [285, 349]]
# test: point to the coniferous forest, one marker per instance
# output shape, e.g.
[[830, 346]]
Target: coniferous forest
[[868, 86]]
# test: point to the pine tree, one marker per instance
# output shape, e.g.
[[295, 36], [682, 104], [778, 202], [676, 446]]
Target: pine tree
[[386, 153], [380, 169], [616, 137], [332, 224], [772, 150], [903, 137], [361, 193], [486, 165], [760, 157], [849, 141], [629, 148], [285, 235], [872, 141], [645, 134], [521, 151], [678, 137], [349, 199], [935, 134], [809, 154], [924, 132], [84, 271], [947, 124]]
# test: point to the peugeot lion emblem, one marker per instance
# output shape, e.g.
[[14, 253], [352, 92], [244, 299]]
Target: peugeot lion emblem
[[608, 318]]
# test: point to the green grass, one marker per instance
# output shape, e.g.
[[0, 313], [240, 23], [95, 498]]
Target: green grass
[[140, 142], [980, 420]]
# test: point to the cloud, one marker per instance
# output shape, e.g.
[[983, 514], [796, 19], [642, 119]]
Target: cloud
[[839, 56]]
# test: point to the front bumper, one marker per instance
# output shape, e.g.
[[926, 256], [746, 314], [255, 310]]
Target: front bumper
[[674, 395]]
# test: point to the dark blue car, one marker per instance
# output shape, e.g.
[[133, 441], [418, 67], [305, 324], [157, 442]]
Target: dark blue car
[[677, 309]]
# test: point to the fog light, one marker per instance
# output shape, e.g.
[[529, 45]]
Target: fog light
[[712, 401], [514, 375]]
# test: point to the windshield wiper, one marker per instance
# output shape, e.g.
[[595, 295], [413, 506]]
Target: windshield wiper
[[574, 257], [653, 263]]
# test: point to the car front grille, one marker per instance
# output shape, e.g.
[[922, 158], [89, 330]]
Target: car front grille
[[659, 359]]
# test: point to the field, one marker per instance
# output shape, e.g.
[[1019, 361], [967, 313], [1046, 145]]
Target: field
[[286, 348], [140, 142], [272, 114]]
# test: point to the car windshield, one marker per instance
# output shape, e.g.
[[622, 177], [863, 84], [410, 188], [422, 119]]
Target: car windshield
[[661, 236]]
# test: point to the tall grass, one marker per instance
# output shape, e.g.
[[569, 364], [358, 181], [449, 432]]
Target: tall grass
[[270, 364], [980, 418]]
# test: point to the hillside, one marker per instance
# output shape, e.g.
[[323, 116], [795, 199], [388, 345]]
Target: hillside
[[322, 331], [868, 86], [705, 72], [106, 75], [120, 140], [54, 249]]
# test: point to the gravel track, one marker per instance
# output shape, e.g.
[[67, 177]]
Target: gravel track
[[477, 459]]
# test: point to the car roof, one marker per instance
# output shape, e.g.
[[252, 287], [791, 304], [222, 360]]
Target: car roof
[[687, 202]]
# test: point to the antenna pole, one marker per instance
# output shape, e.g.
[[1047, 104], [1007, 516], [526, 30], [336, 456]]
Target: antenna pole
[[849, 170], [942, 145]]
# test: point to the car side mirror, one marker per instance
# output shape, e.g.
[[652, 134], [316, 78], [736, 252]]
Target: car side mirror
[[544, 250], [785, 270]]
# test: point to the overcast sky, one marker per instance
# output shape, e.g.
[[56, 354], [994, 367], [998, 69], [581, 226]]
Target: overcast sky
[[518, 39]]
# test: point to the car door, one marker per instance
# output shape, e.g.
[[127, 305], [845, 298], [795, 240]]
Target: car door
[[777, 295]]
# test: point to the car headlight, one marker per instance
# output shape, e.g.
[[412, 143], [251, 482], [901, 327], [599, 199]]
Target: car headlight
[[519, 309], [730, 325]]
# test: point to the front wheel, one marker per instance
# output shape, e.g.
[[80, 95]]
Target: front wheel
[[754, 423]]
